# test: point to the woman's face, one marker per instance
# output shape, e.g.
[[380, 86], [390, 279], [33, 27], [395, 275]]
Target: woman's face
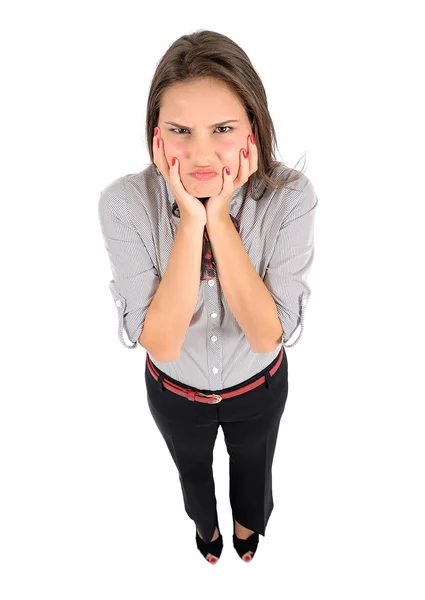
[[194, 108]]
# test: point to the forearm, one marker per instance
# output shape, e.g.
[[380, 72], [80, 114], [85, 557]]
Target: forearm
[[250, 301], [171, 309]]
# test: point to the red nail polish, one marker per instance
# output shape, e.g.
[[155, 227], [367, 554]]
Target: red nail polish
[[252, 139], [244, 153], [173, 162], [157, 142], [155, 131], [228, 170]]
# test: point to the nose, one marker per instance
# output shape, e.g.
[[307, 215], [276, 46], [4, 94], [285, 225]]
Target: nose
[[202, 149]]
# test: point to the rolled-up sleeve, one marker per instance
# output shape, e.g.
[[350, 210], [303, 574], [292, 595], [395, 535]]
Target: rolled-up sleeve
[[290, 264], [135, 278]]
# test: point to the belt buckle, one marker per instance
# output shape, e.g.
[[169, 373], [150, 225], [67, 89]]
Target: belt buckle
[[216, 396]]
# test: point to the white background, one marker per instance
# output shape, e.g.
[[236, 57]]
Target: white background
[[91, 505]]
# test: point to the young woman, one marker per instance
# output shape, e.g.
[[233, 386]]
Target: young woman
[[210, 247]]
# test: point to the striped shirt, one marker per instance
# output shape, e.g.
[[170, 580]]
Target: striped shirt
[[139, 227]]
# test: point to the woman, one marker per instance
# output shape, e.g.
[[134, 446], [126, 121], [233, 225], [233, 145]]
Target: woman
[[210, 276]]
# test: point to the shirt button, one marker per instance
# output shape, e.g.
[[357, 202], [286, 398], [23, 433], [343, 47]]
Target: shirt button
[[215, 370], [214, 338], [211, 282], [213, 315], [118, 302]]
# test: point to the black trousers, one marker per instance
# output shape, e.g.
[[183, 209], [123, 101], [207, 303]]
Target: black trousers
[[250, 424]]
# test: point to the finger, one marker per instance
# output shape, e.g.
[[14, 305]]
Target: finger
[[174, 172], [243, 172], [228, 186], [169, 172], [159, 155], [245, 164], [252, 155], [175, 181], [156, 137]]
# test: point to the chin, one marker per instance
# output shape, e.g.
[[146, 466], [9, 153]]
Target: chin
[[197, 187]]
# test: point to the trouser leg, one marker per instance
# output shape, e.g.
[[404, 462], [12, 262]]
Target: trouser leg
[[250, 426], [190, 431]]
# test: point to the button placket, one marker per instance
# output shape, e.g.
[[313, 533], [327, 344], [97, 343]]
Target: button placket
[[213, 315]]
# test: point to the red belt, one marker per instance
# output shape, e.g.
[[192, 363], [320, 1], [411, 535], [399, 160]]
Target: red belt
[[210, 398]]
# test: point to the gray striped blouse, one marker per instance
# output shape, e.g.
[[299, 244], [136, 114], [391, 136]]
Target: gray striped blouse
[[138, 228]]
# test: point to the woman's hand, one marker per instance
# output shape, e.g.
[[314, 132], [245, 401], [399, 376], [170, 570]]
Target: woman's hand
[[191, 209], [218, 207]]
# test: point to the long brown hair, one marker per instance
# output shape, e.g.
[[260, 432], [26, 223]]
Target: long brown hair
[[205, 54]]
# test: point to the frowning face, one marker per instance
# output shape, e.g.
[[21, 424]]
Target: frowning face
[[204, 125]]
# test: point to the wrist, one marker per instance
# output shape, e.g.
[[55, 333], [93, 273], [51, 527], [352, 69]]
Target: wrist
[[219, 221], [191, 224]]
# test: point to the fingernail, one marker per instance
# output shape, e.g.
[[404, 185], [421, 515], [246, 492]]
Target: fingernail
[[244, 153], [228, 170], [157, 142], [173, 162], [155, 131], [252, 139]]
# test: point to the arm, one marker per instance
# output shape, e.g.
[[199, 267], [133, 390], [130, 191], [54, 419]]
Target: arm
[[249, 299], [171, 309], [269, 311], [287, 272], [151, 312]]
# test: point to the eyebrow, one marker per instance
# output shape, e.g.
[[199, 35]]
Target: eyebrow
[[214, 125]]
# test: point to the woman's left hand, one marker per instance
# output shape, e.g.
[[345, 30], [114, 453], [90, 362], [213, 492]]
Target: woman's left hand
[[218, 207]]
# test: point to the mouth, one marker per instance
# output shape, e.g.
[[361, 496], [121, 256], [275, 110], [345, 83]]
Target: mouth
[[203, 176]]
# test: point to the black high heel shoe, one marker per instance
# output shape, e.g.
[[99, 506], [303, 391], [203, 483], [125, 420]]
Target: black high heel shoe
[[245, 548], [213, 549]]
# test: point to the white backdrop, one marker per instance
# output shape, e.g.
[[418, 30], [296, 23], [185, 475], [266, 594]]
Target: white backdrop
[[90, 500]]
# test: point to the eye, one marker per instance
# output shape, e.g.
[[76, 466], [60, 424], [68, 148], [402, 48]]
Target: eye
[[184, 129]]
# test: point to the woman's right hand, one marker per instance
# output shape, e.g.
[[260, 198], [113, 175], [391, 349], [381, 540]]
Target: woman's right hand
[[191, 209]]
